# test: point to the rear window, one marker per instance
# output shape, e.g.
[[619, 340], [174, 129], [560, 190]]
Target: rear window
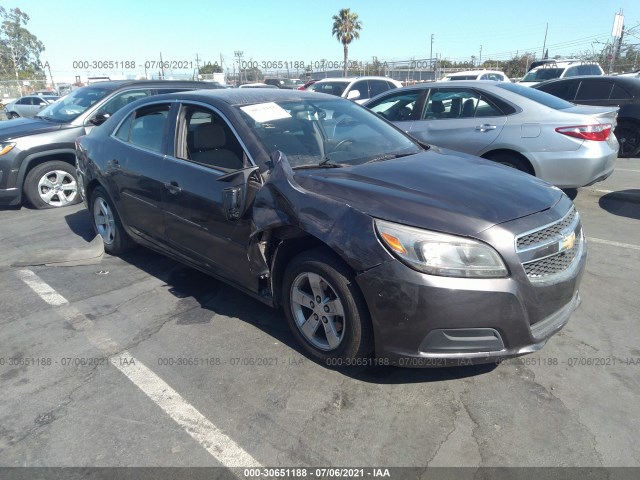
[[541, 74], [463, 77], [536, 95]]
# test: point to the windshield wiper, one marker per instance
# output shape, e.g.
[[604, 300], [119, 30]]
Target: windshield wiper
[[389, 156], [323, 164]]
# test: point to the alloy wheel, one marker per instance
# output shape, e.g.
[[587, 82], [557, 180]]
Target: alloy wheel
[[58, 188]]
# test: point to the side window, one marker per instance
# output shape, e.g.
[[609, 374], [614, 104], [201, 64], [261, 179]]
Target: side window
[[24, 101], [571, 72], [122, 99], [362, 87], [396, 107], [593, 90], [564, 90], [206, 139], [146, 127], [619, 93], [446, 103], [377, 87]]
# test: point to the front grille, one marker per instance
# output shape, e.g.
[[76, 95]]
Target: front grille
[[542, 236], [551, 265], [552, 249]]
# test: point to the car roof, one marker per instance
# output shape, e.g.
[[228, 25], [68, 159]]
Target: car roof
[[352, 79], [244, 96], [627, 81], [118, 84], [472, 72]]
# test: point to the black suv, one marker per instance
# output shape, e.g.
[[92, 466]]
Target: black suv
[[37, 155], [623, 92]]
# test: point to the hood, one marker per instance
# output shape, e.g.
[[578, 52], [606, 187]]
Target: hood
[[438, 190], [21, 127]]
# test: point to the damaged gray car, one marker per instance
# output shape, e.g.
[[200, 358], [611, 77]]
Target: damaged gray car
[[379, 249]]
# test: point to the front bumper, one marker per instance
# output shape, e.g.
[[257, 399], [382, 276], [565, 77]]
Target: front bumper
[[422, 320]]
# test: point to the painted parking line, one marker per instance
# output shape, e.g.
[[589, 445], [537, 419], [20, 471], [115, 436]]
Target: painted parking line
[[201, 429], [613, 244], [43, 290], [627, 170]]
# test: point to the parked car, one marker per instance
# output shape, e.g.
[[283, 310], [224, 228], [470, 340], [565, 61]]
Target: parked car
[[477, 75], [307, 84], [567, 145], [256, 85], [623, 92], [28, 105], [358, 89], [37, 155], [370, 241], [285, 83], [560, 69]]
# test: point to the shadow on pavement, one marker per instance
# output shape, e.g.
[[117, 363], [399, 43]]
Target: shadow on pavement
[[624, 203], [572, 193], [221, 299], [80, 223]]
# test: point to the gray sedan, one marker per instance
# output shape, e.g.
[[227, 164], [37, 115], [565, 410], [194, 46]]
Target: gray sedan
[[28, 106], [567, 145]]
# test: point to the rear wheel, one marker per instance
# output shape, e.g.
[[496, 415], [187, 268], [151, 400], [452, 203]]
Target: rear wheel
[[511, 159], [107, 224], [51, 185], [628, 135], [11, 115], [325, 309]]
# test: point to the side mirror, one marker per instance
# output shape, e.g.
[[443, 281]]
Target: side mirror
[[237, 199], [99, 119], [353, 95]]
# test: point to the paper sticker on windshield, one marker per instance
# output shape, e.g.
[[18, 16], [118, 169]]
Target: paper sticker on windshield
[[265, 112]]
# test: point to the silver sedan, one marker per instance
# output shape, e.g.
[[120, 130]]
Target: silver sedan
[[28, 106], [565, 144]]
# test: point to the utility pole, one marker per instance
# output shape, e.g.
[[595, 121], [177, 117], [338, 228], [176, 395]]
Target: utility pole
[[431, 54], [161, 66], [480, 61], [238, 54], [51, 77], [198, 64], [544, 45]]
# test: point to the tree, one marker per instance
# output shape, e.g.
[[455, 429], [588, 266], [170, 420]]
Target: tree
[[19, 49], [346, 28], [210, 68]]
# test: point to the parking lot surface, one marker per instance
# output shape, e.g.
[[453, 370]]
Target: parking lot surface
[[141, 361]]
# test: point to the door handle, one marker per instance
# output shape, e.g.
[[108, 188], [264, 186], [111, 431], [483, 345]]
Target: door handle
[[173, 187], [486, 127]]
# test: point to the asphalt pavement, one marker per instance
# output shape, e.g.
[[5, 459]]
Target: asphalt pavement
[[140, 361]]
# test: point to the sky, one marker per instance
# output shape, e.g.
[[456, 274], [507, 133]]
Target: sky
[[300, 31]]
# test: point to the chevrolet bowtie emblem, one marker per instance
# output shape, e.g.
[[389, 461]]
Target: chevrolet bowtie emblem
[[568, 242]]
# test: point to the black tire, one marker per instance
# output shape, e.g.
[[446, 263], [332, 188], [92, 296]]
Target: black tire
[[51, 185], [353, 326], [628, 135], [512, 160], [12, 115], [106, 223]]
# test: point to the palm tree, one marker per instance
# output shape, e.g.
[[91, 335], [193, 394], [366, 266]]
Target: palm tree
[[346, 28]]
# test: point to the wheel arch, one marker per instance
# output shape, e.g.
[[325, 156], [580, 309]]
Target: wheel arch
[[493, 154], [283, 244], [36, 159]]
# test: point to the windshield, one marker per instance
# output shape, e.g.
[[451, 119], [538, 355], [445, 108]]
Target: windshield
[[332, 88], [544, 98], [73, 105], [325, 132], [542, 74]]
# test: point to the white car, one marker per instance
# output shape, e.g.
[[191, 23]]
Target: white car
[[478, 75], [358, 89], [560, 69]]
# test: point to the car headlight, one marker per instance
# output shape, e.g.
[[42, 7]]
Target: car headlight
[[440, 254], [6, 147]]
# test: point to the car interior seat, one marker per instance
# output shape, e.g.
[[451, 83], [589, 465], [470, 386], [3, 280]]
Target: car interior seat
[[468, 108], [456, 107], [209, 141]]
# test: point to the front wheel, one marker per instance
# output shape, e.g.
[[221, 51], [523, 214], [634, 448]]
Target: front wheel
[[325, 309], [51, 185], [12, 115], [107, 224], [628, 135]]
